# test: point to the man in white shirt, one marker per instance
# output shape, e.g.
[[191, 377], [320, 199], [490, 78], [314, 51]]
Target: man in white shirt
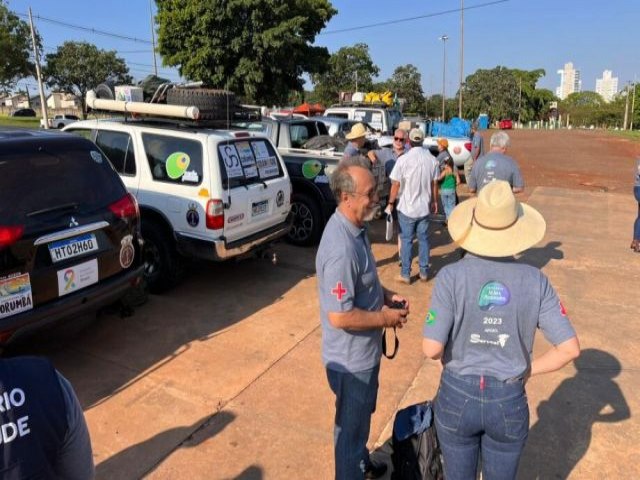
[[415, 175]]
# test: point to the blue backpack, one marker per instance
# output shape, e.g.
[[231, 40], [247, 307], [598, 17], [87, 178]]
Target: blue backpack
[[416, 452]]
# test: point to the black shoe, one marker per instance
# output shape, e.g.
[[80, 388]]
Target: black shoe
[[375, 470]]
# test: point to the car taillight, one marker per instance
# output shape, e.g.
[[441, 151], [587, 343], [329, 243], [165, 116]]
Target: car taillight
[[468, 145], [126, 207], [215, 214], [10, 234]]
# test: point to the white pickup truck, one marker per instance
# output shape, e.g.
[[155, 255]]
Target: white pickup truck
[[60, 121]]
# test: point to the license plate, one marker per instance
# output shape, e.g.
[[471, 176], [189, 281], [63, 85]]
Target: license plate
[[72, 247], [259, 208]]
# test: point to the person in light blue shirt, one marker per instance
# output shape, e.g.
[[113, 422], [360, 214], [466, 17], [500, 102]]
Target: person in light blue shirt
[[635, 244], [496, 165], [484, 313]]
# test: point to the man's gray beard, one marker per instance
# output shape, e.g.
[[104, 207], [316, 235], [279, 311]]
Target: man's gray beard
[[370, 215]]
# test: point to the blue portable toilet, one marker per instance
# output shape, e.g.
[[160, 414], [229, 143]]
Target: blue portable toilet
[[483, 121]]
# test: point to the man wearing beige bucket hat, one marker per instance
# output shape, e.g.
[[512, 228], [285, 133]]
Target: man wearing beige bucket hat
[[484, 313], [357, 137]]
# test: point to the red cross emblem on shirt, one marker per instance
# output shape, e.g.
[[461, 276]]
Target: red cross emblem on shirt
[[338, 291]]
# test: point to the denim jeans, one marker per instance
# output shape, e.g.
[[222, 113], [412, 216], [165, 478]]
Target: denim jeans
[[408, 228], [448, 201], [356, 394], [481, 416], [636, 224]]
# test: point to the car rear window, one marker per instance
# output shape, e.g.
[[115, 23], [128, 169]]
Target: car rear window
[[244, 162], [173, 159], [55, 176]]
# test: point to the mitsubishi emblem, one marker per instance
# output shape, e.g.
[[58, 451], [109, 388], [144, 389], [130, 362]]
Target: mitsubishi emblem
[[73, 222]]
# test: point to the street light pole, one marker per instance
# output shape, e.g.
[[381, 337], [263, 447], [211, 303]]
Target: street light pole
[[461, 58], [444, 39]]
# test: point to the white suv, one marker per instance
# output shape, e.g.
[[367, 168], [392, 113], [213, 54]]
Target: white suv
[[203, 193]]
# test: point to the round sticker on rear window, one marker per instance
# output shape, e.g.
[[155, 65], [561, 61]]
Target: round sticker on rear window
[[96, 156], [177, 163]]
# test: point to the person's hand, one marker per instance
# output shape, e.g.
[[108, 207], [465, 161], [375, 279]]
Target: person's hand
[[434, 207], [372, 156], [394, 317], [389, 209], [399, 298]]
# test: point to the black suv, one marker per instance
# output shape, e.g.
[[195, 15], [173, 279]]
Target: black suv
[[69, 231]]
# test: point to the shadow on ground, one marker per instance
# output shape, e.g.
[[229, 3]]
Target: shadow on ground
[[147, 452], [562, 434]]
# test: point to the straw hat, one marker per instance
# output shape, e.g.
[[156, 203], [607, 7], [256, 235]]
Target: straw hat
[[357, 131], [495, 224]]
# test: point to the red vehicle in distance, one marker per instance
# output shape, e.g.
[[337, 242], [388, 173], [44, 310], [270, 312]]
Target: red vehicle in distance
[[505, 124]]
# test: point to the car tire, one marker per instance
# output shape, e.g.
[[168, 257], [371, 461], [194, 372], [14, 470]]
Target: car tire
[[307, 221], [60, 126], [213, 104], [162, 263]]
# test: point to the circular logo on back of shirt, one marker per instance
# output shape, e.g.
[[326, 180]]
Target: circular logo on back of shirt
[[493, 294]]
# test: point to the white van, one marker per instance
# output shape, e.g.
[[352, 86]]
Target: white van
[[380, 118]]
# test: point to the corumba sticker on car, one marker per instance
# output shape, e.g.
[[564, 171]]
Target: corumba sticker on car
[[15, 295]]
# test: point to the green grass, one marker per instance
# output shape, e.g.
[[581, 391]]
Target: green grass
[[628, 134], [22, 122]]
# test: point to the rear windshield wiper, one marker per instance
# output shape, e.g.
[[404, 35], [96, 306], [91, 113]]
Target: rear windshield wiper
[[65, 206]]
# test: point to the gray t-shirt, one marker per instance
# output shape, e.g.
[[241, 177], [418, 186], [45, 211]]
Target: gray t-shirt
[[495, 166], [486, 311], [348, 279]]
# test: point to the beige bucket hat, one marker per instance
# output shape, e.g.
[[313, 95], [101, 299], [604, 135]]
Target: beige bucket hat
[[357, 131], [495, 224]]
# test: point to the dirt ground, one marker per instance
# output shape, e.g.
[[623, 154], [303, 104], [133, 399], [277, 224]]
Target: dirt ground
[[576, 159], [221, 377]]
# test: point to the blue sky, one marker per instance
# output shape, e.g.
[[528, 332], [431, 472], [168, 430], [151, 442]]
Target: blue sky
[[524, 34]]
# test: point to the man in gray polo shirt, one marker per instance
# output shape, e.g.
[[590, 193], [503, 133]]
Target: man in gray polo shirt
[[354, 309], [495, 165]]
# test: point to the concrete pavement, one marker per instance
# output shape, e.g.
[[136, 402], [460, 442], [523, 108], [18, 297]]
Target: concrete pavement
[[222, 379]]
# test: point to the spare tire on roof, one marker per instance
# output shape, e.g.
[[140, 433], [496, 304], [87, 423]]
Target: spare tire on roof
[[213, 104], [105, 90]]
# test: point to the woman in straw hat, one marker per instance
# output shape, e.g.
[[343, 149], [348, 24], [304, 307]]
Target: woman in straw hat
[[484, 312]]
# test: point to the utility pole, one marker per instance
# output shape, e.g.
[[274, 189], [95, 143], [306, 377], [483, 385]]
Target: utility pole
[[520, 101], [36, 56], [461, 59], [444, 39], [153, 40], [356, 81], [626, 109], [633, 102]]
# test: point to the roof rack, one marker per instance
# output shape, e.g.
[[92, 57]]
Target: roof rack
[[182, 115], [362, 104]]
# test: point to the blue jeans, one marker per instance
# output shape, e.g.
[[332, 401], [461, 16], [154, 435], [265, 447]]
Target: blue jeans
[[636, 224], [356, 394], [481, 415], [448, 198], [408, 228]]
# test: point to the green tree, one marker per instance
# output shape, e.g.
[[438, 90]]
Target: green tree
[[77, 67], [15, 45], [497, 92], [406, 82], [256, 48], [346, 67]]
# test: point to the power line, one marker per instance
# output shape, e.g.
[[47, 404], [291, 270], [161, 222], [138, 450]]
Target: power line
[[88, 29], [408, 19]]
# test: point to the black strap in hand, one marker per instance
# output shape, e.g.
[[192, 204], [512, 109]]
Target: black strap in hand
[[384, 344]]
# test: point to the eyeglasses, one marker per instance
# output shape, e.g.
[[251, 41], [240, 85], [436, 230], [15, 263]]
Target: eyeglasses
[[398, 139], [372, 194]]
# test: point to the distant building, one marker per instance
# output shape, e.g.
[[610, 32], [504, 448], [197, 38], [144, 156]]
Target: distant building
[[607, 86], [569, 81], [59, 101]]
